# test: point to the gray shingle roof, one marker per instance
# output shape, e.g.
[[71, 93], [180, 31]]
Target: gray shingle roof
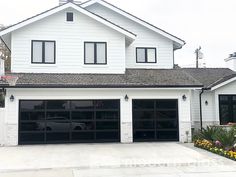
[[209, 76], [132, 78], [222, 80]]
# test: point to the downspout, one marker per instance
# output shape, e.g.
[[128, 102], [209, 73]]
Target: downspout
[[200, 99]]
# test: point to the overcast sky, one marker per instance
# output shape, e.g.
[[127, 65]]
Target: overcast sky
[[209, 23]]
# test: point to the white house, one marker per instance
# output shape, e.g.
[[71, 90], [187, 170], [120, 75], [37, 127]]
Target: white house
[[91, 72]]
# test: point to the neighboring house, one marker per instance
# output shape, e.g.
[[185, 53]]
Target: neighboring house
[[92, 72]]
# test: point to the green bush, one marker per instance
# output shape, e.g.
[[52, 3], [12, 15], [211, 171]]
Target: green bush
[[209, 133], [226, 137]]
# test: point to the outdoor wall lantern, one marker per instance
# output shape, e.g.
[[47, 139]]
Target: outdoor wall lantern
[[184, 97], [12, 98], [206, 102], [126, 97]]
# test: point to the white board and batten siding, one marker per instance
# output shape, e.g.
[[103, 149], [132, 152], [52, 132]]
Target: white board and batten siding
[[208, 110], [70, 38], [145, 38]]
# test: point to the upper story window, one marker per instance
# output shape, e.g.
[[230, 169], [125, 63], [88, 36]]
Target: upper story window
[[146, 55], [43, 52], [95, 53], [70, 16]]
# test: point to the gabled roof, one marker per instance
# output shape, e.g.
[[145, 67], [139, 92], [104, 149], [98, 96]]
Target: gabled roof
[[60, 8], [136, 19], [223, 81], [133, 78], [210, 77]]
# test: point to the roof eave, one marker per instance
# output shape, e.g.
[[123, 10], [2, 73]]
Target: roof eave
[[100, 86], [221, 84]]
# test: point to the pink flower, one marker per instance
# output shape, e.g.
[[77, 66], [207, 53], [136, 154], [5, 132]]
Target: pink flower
[[218, 143]]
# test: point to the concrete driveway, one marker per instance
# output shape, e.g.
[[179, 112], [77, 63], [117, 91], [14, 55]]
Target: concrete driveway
[[116, 160]]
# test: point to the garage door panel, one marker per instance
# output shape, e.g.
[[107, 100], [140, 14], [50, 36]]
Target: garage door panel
[[31, 138], [144, 124], [82, 136], [107, 115], [166, 104], [140, 114], [82, 125], [107, 125], [143, 104], [167, 124], [144, 135], [107, 135], [155, 120], [32, 126], [57, 125], [57, 137], [58, 104], [106, 104], [167, 114], [32, 105], [58, 115], [167, 135], [82, 104], [82, 115], [66, 121], [32, 115]]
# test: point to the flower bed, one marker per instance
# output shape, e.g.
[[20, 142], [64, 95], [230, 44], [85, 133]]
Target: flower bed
[[217, 140], [207, 145]]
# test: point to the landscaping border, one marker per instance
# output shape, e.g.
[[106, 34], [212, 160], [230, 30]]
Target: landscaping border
[[207, 145]]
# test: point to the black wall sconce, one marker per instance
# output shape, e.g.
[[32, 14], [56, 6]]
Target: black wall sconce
[[184, 97], [206, 102], [126, 97], [12, 98]]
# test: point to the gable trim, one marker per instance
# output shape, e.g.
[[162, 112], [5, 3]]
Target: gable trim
[[224, 83], [134, 18], [62, 7]]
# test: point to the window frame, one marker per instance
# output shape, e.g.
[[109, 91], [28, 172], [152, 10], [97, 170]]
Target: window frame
[[146, 54], [43, 52], [95, 53], [67, 17], [229, 102]]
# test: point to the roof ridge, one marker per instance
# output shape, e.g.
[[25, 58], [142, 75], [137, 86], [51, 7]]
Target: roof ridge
[[190, 76]]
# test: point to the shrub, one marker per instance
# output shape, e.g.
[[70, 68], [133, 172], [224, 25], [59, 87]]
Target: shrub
[[226, 138], [209, 133]]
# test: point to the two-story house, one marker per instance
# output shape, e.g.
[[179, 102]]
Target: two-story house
[[91, 72]]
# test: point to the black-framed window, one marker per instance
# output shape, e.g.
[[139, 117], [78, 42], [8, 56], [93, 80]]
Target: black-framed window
[[95, 53], [70, 16], [2, 99], [146, 55], [227, 108], [43, 52]]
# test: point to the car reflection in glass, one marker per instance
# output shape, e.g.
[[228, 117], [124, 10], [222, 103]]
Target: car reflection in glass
[[62, 124]]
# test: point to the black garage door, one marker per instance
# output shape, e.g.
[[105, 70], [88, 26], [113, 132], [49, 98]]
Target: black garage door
[[155, 120], [64, 121]]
